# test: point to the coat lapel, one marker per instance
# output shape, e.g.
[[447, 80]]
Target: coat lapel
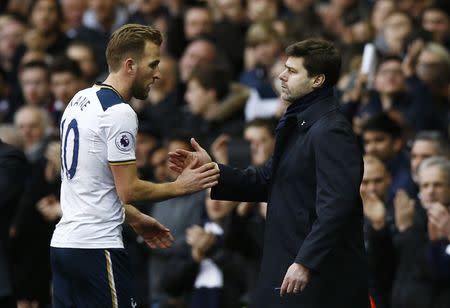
[[281, 141], [303, 121]]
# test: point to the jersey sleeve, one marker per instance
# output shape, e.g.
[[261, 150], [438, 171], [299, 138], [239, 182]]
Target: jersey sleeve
[[121, 129]]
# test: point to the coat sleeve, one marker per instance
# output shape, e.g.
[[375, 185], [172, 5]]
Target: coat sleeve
[[13, 171], [338, 168], [250, 184]]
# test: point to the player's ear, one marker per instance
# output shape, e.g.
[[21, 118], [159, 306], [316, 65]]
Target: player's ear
[[130, 65]]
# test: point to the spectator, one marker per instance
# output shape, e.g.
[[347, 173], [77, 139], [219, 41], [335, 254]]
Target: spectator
[[417, 283], [85, 56], [431, 64], [147, 12], [298, 6], [65, 81], [6, 107], [9, 135], [161, 109], [263, 47], [100, 19], [210, 268], [177, 214], [13, 169], [12, 31], [229, 31], [195, 22], [19, 7], [435, 19], [436, 186], [35, 83], [201, 53], [391, 40], [198, 53], [45, 33], [158, 163], [381, 10], [433, 69], [146, 140], [411, 7], [378, 228], [382, 138], [31, 123], [262, 10], [405, 97], [206, 88], [73, 11], [425, 145], [260, 136], [36, 216], [345, 21]]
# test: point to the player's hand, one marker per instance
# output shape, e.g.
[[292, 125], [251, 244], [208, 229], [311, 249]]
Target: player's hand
[[193, 178], [180, 159], [295, 280], [153, 232]]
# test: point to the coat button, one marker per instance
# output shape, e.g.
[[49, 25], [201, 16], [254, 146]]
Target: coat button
[[303, 123]]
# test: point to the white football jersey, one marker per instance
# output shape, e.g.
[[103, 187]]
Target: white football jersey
[[98, 129]]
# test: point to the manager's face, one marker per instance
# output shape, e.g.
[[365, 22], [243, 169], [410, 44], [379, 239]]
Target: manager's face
[[295, 81]]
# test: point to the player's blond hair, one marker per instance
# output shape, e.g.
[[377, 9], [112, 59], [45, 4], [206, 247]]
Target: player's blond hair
[[129, 40]]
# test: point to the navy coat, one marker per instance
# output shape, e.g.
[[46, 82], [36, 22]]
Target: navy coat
[[314, 212]]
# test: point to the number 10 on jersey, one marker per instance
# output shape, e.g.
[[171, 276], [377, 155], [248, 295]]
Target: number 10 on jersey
[[70, 144]]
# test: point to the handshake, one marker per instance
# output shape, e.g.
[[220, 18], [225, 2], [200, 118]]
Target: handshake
[[195, 170]]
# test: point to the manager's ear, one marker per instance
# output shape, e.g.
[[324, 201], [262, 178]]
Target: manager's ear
[[318, 81]]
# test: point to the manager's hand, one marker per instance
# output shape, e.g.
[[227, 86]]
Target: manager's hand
[[295, 280], [181, 159]]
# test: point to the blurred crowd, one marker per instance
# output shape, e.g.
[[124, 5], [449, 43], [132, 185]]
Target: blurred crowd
[[220, 65]]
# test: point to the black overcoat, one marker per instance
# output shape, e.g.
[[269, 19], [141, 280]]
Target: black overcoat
[[314, 212]]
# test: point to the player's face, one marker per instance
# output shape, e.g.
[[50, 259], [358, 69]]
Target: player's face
[[147, 71]]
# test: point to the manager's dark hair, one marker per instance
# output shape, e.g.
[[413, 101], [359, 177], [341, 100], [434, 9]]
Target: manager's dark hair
[[319, 57]]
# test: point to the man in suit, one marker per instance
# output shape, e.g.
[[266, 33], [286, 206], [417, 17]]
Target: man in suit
[[13, 171], [313, 247]]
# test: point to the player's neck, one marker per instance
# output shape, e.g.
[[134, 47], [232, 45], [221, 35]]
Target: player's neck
[[120, 85]]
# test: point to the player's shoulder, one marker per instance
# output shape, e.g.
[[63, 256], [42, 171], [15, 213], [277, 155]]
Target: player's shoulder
[[109, 98]]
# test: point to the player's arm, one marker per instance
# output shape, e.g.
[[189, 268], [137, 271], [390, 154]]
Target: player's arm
[[152, 231], [130, 188], [120, 128]]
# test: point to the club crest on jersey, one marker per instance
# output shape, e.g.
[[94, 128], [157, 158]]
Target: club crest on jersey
[[125, 141]]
